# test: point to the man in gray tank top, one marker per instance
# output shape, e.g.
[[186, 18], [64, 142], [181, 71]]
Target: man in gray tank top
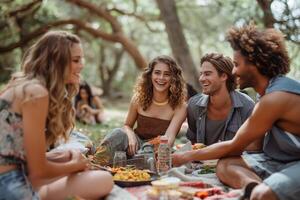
[[261, 60], [217, 113]]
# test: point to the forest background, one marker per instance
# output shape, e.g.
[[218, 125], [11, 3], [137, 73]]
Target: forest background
[[120, 36]]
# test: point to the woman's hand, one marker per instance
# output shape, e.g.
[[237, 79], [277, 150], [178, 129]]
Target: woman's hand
[[81, 162], [86, 108], [59, 156], [132, 144]]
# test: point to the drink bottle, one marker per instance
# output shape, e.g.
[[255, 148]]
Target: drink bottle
[[164, 156]]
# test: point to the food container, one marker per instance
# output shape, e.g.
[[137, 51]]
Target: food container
[[152, 194], [174, 195], [155, 194], [160, 185]]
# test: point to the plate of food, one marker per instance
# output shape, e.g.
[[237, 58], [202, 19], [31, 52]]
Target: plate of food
[[207, 170], [134, 177], [188, 146], [197, 146]]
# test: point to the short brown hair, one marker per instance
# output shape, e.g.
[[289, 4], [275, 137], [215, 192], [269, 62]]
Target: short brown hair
[[263, 48], [223, 64]]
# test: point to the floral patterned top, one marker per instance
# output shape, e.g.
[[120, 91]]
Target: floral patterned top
[[11, 136]]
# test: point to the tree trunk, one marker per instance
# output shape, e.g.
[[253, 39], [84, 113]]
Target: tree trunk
[[5, 73], [268, 19], [117, 34], [107, 74], [178, 42]]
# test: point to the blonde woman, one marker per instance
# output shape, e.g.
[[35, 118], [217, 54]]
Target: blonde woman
[[157, 108], [36, 111]]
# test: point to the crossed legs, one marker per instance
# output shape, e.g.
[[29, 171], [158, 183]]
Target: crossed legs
[[234, 172], [87, 185]]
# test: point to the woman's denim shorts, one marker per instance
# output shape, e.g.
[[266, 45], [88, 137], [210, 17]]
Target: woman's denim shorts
[[14, 185]]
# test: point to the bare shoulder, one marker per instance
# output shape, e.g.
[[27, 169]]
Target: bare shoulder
[[181, 108], [134, 102], [275, 103], [277, 99], [283, 108], [96, 99], [32, 90]]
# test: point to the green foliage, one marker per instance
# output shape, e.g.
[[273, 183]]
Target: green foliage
[[204, 21], [8, 65], [114, 113], [97, 132]]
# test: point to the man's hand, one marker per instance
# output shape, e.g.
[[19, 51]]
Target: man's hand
[[179, 159]]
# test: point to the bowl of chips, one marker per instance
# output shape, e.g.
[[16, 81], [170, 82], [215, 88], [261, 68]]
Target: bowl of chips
[[133, 177]]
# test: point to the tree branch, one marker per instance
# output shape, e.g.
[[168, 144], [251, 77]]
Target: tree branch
[[45, 28], [118, 35], [24, 8], [99, 11], [128, 45], [139, 17], [269, 19]]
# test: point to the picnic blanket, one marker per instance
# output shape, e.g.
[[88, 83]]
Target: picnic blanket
[[211, 179], [119, 193]]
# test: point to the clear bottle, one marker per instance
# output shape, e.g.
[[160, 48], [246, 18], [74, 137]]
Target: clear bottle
[[164, 156]]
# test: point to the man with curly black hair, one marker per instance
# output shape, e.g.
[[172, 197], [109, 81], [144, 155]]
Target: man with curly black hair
[[261, 61]]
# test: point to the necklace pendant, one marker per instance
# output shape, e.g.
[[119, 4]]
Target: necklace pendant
[[160, 103]]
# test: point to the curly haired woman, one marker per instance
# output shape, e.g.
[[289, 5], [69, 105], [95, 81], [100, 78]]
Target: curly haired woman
[[158, 107], [35, 112]]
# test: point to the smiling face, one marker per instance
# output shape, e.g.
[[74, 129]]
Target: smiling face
[[210, 80], [76, 64], [243, 71], [161, 77]]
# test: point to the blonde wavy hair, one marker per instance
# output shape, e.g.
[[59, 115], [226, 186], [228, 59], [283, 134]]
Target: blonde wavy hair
[[143, 91], [48, 63]]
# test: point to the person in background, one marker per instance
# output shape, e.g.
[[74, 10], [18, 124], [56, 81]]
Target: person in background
[[261, 61], [157, 108], [217, 113], [35, 112], [190, 91], [89, 108]]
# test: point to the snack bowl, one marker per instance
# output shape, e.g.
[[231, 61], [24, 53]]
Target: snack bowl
[[167, 183], [122, 181]]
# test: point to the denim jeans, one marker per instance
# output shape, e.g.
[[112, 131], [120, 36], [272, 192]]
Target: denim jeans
[[117, 140], [14, 185]]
